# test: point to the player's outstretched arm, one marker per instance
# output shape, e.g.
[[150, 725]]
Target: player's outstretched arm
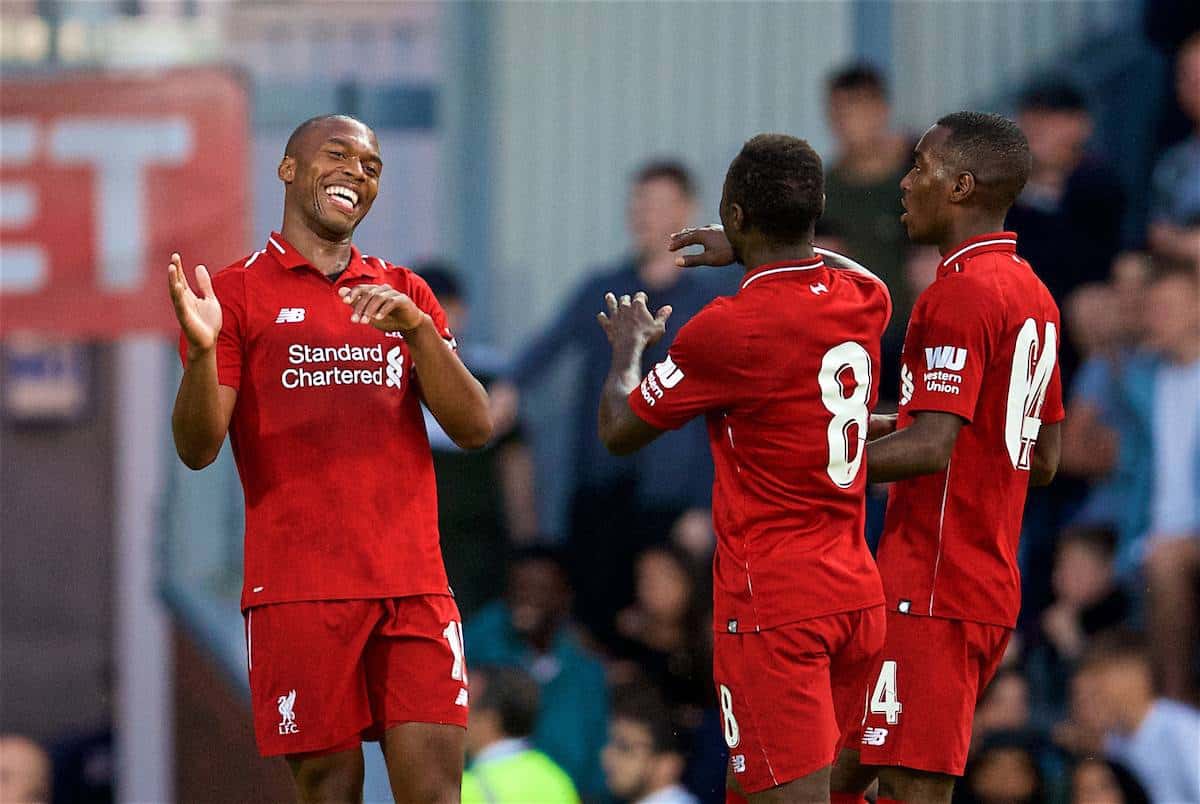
[[202, 406], [630, 329], [922, 448], [455, 398], [717, 250], [1046, 454]]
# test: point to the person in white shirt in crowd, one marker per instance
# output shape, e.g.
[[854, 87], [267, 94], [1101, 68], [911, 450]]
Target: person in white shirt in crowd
[[642, 762]]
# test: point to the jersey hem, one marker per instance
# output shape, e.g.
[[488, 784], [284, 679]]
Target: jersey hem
[[956, 618], [787, 620], [271, 601]]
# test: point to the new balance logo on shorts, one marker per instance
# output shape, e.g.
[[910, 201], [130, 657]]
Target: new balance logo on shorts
[[738, 763], [290, 315], [875, 736], [461, 700], [287, 725]]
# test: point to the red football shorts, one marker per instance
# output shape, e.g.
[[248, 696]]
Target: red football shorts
[[924, 690], [790, 696], [325, 675]]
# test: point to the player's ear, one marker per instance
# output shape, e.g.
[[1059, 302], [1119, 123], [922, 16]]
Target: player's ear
[[737, 217], [822, 205], [964, 186], [287, 170]]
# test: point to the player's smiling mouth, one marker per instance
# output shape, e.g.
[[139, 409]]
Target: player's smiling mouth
[[343, 197]]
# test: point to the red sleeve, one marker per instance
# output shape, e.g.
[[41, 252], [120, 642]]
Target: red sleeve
[[420, 293], [702, 372], [230, 287], [951, 348]]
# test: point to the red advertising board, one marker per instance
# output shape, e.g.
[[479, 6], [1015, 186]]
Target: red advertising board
[[102, 176]]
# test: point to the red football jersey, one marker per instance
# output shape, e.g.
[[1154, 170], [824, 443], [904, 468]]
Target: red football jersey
[[785, 372], [327, 432], [982, 343]]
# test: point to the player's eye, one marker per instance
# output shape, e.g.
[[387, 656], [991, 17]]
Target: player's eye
[[338, 154]]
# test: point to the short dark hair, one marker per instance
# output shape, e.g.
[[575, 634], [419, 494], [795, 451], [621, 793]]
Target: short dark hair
[[1114, 645], [512, 694], [441, 277], [642, 704], [1053, 95], [994, 150], [538, 551], [670, 169], [300, 130], [861, 76], [779, 183], [1101, 538]]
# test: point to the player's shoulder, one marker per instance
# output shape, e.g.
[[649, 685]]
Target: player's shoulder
[[713, 320], [398, 276]]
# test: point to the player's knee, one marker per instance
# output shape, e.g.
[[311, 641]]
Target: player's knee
[[915, 787], [326, 779], [433, 789]]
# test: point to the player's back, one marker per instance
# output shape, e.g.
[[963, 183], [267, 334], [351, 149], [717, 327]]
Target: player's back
[[788, 443], [982, 344]]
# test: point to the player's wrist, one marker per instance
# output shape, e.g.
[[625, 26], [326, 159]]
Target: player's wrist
[[198, 354], [424, 322]]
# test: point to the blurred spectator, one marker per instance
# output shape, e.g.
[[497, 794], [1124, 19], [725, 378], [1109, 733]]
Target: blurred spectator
[[1102, 781], [1004, 707], [1173, 543], [1175, 203], [862, 194], [647, 490], [1005, 771], [1106, 440], [24, 771], [530, 628], [1115, 709], [1087, 599], [1068, 217], [642, 761], [504, 766], [485, 497]]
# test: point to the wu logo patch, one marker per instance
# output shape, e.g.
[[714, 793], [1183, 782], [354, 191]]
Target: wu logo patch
[[287, 723], [951, 358], [395, 367], [290, 315], [668, 373], [873, 736], [906, 385]]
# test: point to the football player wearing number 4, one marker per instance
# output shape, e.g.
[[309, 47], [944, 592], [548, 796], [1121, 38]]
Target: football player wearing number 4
[[784, 372], [980, 403]]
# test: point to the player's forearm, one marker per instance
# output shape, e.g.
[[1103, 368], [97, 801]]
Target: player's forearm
[[881, 424], [457, 400], [623, 376], [922, 448], [198, 423]]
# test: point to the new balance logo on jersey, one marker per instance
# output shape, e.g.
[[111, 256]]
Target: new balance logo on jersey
[[287, 724], [951, 358], [290, 315], [818, 288], [875, 736]]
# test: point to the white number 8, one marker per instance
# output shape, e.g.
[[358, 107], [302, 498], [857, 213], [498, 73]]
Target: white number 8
[[733, 735], [1032, 366], [847, 410]]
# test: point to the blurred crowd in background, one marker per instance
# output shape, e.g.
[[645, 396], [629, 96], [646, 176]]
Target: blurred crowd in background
[[590, 648]]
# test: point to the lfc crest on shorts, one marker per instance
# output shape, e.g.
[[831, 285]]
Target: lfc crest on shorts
[[287, 725]]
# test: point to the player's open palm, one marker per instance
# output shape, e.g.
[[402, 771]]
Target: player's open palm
[[199, 316], [383, 307], [628, 322]]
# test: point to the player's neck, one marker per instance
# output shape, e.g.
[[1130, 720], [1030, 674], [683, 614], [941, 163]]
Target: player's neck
[[962, 230], [765, 254], [327, 256]]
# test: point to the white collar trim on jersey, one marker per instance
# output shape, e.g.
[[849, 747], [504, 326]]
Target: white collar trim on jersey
[[789, 268], [997, 242]]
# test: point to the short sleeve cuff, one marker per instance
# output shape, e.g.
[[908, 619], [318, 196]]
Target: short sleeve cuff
[[646, 410]]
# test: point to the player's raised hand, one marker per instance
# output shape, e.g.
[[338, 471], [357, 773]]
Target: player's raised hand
[[628, 323], [199, 316], [383, 307], [717, 250]]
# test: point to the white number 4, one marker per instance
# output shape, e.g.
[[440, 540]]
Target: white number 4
[[454, 636], [883, 699]]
